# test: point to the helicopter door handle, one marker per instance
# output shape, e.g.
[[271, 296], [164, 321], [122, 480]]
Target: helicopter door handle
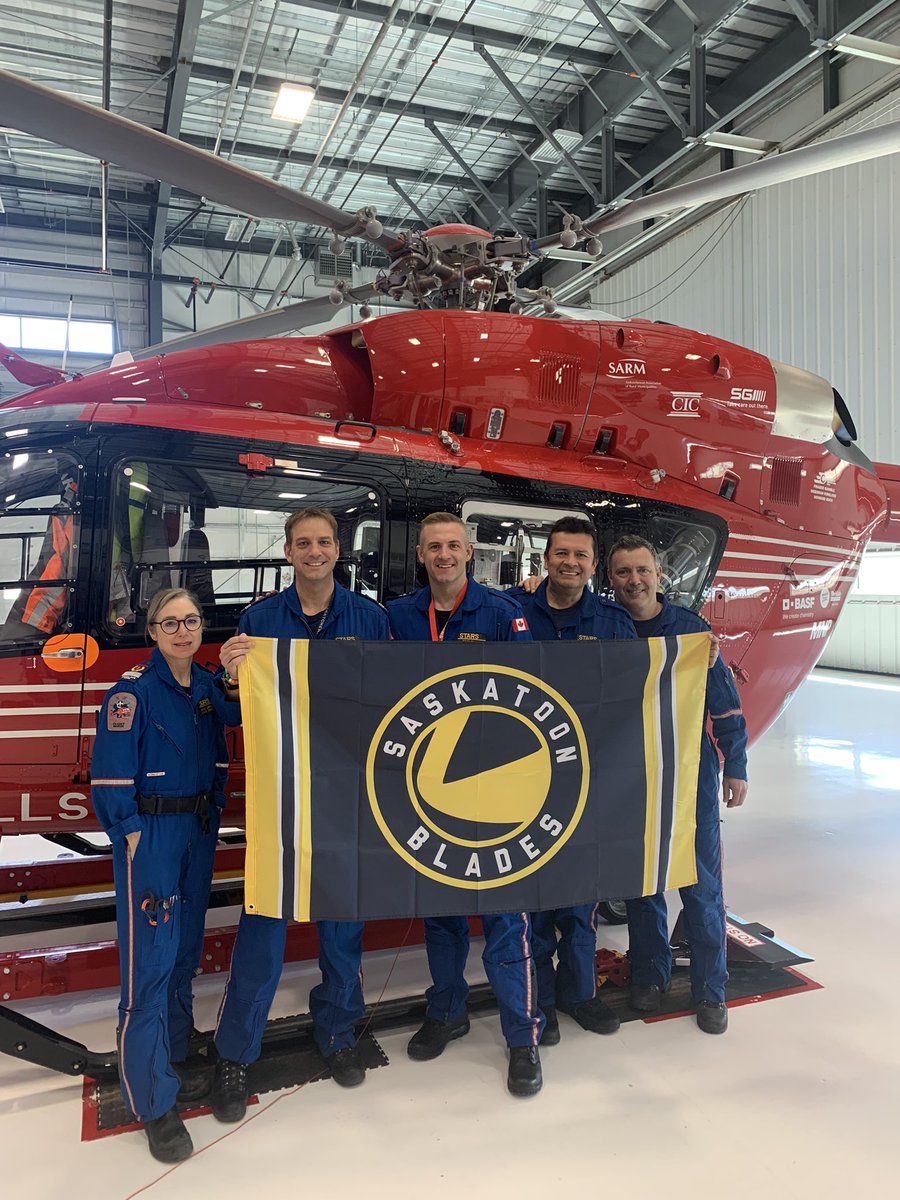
[[63, 654]]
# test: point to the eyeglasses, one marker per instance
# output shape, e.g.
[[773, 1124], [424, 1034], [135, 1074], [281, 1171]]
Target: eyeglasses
[[170, 624]]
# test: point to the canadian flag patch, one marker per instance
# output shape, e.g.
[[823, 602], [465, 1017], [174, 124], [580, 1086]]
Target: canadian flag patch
[[520, 625]]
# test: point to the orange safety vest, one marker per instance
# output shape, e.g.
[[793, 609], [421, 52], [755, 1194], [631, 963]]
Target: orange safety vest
[[45, 605]]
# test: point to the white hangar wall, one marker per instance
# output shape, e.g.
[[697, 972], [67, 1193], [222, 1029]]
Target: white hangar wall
[[807, 273]]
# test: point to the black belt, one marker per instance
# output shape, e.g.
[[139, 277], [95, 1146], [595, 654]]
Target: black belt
[[159, 806]]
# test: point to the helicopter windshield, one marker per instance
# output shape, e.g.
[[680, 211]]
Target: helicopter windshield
[[38, 538], [220, 533], [509, 541]]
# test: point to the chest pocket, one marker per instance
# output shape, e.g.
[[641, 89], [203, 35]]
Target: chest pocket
[[168, 738]]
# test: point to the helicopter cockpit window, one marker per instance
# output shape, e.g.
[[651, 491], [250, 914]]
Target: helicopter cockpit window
[[509, 540], [220, 532], [39, 512], [685, 551]]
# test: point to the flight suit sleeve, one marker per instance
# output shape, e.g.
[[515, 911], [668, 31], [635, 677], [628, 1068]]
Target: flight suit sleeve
[[729, 729], [115, 764], [512, 625]]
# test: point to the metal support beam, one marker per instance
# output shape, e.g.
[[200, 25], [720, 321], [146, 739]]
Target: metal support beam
[[501, 211], [647, 78], [187, 27], [608, 154], [543, 226], [698, 87], [804, 16], [827, 27], [407, 199], [541, 124]]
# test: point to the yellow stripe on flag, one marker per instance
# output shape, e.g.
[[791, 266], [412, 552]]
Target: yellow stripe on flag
[[304, 783], [650, 708], [259, 715], [689, 684]]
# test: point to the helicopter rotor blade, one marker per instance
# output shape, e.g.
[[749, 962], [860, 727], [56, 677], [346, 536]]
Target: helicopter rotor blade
[[274, 321], [779, 168], [45, 113]]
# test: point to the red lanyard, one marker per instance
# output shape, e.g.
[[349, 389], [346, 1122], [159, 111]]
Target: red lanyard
[[432, 620]]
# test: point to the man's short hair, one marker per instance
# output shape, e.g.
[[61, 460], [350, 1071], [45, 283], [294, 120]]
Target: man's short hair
[[573, 525], [309, 514], [442, 518], [632, 541]]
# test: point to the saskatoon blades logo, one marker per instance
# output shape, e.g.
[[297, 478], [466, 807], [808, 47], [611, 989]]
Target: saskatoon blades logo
[[478, 776]]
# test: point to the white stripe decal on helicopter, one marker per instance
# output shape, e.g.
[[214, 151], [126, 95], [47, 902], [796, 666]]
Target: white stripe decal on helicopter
[[751, 537], [29, 689], [38, 712], [46, 733], [806, 561]]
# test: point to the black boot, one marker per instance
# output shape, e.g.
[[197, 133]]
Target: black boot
[[712, 1017], [346, 1067], [593, 1015], [193, 1078], [169, 1141], [524, 1077], [432, 1039], [230, 1091], [646, 997], [550, 1036]]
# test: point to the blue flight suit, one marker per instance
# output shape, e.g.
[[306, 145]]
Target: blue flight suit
[[335, 1004], [155, 740], [704, 906], [492, 617], [575, 978]]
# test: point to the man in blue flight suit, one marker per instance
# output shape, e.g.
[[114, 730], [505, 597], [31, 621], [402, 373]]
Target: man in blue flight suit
[[564, 607], [314, 606], [635, 573], [454, 607]]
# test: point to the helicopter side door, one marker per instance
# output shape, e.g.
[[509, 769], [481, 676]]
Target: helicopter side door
[[43, 652]]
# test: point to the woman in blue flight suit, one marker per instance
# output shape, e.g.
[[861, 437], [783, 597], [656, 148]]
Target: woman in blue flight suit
[[158, 778]]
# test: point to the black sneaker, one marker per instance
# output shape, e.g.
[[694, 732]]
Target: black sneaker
[[434, 1036], [712, 1017], [194, 1083], [346, 1068], [646, 997], [169, 1141], [550, 1036], [524, 1077], [594, 1015], [230, 1091]]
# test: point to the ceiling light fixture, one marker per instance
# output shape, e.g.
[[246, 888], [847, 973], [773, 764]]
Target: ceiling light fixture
[[866, 48], [292, 102], [733, 141]]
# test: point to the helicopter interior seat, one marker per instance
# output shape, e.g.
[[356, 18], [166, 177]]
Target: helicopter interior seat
[[197, 579], [155, 552]]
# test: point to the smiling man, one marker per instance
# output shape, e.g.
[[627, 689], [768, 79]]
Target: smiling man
[[314, 606], [453, 607], [563, 608], [635, 573]]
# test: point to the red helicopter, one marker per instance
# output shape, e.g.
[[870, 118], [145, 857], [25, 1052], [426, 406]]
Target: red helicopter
[[177, 466]]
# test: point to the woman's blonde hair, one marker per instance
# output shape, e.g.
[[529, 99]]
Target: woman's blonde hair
[[160, 599]]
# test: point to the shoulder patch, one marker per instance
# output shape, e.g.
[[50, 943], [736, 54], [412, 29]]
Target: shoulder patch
[[120, 712], [135, 672], [520, 625]]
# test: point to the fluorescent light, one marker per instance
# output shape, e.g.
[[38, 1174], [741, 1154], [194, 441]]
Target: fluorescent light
[[733, 141], [292, 102], [233, 232], [292, 495], [867, 48], [2, 209]]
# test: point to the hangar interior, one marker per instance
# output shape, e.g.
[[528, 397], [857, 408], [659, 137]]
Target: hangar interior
[[507, 117]]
